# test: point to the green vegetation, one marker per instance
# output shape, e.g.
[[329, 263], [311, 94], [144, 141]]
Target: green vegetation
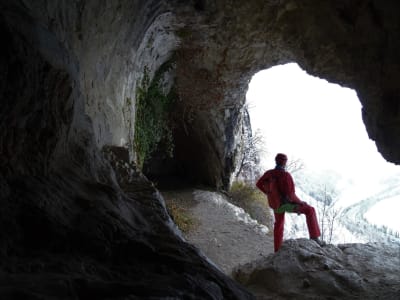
[[253, 201], [152, 124]]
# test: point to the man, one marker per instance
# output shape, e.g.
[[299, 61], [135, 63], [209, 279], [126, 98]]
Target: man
[[287, 202]]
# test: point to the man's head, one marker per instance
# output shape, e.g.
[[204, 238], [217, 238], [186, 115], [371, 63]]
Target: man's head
[[281, 159]]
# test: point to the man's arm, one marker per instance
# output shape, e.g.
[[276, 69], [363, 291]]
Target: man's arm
[[260, 183], [288, 189]]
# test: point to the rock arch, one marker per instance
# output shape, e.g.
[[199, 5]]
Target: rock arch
[[70, 71]]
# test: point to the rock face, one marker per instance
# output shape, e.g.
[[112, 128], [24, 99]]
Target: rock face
[[70, 237], [70, 74], [303, 270]]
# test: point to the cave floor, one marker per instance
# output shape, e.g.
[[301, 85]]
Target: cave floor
[[215, 228]]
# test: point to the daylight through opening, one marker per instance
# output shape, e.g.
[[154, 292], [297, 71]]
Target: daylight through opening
[[319, 125]]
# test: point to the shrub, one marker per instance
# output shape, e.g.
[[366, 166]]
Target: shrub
[[253, 201], [182, 218]]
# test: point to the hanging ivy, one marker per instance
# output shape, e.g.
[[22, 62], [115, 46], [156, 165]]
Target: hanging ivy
[[152, 125]]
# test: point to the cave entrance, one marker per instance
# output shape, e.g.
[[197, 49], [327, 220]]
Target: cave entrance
[[318, 124], [312, 120]]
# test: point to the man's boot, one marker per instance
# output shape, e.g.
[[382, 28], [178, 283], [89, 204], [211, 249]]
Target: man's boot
[[321, 243]]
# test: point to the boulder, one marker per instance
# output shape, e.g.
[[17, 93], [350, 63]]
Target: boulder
[[302, 269]]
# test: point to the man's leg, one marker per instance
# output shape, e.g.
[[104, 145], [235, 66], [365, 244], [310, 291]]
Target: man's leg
[[278, 230], [311, 218]]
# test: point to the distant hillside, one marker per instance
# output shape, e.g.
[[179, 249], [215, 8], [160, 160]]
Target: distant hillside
[[323, 188], [356, 222]]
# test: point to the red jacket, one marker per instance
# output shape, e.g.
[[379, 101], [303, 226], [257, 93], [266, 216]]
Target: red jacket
[[284, 181]]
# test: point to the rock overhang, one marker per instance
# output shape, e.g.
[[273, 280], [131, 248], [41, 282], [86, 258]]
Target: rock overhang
[[343, 43], [77, 66]]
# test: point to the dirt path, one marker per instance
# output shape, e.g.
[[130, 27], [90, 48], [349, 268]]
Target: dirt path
[[224, 232]]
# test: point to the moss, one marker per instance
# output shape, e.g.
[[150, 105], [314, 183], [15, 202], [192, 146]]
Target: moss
[[152, 124]]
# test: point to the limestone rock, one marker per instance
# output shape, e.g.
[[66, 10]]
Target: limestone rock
[[303, 270]]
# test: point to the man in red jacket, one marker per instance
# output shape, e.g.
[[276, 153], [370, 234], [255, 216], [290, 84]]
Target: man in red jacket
[[289, 202]]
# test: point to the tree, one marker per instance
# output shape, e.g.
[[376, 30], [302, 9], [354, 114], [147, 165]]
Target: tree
[[333, 217], [328, 213], [253, 148], [295, 165]]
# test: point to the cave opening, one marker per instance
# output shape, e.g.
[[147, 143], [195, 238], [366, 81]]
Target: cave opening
[[309, 117], [319, 125]]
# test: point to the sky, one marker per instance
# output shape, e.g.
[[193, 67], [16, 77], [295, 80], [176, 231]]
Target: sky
[[313, 120], [381, 209]]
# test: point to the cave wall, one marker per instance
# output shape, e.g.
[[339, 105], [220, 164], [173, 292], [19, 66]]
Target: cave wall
[[77, 220], [352, 44], [70, 192], [216, 49]]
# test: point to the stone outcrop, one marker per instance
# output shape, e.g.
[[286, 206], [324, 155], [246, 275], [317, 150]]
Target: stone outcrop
[[303, 270], [70, 74], [70, 237]]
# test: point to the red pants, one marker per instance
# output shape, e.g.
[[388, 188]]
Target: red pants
[[311, 218]]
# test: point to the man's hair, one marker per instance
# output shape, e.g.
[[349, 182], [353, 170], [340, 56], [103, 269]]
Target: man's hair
[[280, 159]]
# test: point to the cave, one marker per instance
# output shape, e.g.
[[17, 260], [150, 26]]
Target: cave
[[81, 217]]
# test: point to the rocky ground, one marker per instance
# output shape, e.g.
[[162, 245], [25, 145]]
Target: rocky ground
[[243, 249], [303, 270], [222, 231]]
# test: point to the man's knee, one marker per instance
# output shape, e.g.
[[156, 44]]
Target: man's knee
[[306, 209]]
